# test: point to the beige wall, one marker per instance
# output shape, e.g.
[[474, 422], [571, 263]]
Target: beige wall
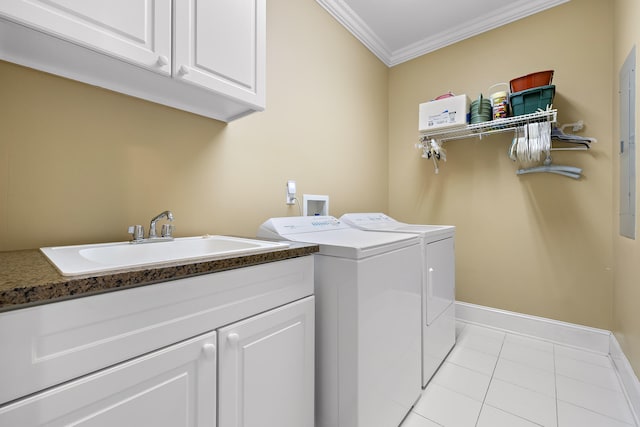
[[79, 164], [536, 244], [626, 292]]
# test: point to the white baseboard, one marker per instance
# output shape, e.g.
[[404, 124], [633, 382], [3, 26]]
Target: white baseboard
[[591, 339], [628, 378]]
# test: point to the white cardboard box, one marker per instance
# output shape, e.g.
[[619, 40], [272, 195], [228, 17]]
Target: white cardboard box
[[443, 113]]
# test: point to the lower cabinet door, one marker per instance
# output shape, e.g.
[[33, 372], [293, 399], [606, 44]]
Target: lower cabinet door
[[266, 369], [172, 387]]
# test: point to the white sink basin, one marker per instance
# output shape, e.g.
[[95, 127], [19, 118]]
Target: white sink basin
[[95, 258]]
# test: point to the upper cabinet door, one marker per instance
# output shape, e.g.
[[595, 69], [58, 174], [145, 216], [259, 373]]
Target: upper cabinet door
[[220, 45], [137, 31]]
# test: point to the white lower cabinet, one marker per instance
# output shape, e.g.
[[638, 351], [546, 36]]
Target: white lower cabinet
[[254, 367], [172, 387], [266, 369]]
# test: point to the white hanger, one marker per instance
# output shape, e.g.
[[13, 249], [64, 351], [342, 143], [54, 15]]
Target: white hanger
[[569, 171]]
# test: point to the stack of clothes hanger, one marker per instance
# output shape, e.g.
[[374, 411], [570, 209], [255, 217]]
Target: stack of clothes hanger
[[533, 140]]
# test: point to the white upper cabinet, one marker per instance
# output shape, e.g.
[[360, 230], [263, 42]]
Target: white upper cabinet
[[207, 56], [219, 44], [138, 31]]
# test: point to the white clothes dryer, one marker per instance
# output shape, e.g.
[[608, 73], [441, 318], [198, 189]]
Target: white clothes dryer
[[368, 309], [438, 283]]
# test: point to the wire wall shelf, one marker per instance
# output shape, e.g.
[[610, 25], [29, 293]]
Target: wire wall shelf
[[528, 145], [488, 128]]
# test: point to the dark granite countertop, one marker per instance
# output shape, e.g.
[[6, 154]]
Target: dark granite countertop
[[27, 278]]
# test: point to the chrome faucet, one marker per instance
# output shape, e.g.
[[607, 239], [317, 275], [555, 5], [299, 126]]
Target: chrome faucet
[[137, 231], [152, 227]]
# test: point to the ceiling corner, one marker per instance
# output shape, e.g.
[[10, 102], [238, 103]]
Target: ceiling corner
[[358, 28], [456, 31]]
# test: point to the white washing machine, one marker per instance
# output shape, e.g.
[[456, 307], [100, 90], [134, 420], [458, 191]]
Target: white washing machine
[[438, 283], [368, 309]]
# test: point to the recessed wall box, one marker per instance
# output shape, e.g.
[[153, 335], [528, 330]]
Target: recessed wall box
[[443, 113], [314, 205]]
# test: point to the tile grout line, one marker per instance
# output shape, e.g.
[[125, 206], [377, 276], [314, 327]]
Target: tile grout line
[[422, 416], [622, 392], [556, 356], [593, 384], [491, 378]]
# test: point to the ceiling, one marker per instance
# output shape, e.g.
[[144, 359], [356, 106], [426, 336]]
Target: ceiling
[[399, 30]]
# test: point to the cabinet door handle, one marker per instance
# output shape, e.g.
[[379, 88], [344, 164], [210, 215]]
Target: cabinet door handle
[[233, 338], [209, 351], [162, 61], [184, 70]]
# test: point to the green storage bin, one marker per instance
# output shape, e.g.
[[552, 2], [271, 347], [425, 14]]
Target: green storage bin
[[528, 101]]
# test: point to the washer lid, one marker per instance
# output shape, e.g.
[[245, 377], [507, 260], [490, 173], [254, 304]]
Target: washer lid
[[382, 222], [335, 237], [284, 226], [370, 221]]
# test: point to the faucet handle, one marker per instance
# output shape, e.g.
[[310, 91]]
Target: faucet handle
[[167, 230], [136, 231]]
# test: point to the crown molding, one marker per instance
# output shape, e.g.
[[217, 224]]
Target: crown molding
[[354, 24]]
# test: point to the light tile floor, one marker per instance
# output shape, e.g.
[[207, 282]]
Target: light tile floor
[[497, 379]]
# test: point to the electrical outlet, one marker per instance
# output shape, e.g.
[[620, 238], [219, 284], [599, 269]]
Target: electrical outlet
[[291, 192]]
